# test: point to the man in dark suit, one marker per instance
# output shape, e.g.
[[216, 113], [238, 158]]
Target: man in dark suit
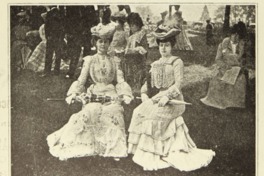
[[73, 31], [209, 33], [54, 31], [90, 18]]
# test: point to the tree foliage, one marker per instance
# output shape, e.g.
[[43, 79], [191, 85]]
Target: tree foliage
[[144, 11], [244, 13], [219, 13]]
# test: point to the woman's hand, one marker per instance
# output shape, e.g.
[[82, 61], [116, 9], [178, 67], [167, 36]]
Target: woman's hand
[[127, 99], [163, 101], [70, 99], [144, 97]]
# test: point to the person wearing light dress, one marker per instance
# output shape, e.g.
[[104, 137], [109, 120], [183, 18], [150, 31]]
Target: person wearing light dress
[[158, 136]]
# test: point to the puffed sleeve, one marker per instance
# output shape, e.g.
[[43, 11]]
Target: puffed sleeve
[[175, 89], [144, 88], [122, 87], [42, 32], [78, 86]]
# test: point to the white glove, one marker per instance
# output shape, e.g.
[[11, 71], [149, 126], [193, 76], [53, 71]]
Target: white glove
[[127, 99], [163, 101], [70, 99], [144, 97]]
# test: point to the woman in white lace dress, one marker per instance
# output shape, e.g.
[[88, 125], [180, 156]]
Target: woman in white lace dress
[[98, 129], [158, 135]]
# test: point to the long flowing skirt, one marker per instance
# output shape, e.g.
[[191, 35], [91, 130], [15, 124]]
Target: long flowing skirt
[[183, 42], [223, 95], [159, 138], [96, 130], [36, 61]]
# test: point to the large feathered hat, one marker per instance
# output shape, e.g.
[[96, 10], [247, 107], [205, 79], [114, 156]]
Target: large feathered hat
[[103, 31], [119, 15], [163, 32]]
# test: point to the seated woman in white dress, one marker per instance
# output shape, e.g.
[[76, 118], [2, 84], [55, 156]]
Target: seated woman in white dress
[[158, 136], [98, 129]]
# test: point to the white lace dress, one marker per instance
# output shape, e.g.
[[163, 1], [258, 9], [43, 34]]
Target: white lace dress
[[158, 136], [98, 129]]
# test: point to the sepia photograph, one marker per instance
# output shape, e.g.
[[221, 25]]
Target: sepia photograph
[[133, 89]]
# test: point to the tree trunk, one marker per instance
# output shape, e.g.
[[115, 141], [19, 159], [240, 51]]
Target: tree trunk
[[226, 21]]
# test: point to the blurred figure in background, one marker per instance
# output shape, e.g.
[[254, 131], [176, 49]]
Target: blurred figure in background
[[73, 33], [176, 20], [119, 42], [18, 42], [209, 33], [36, 19], [136, 53], [36, 62], [89, 19], [228, 87], [54, 31], [163, 15]]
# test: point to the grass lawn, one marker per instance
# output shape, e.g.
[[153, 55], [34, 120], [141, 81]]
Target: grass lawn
[[230, 133]]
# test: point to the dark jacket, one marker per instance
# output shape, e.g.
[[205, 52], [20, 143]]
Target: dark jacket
[[54, 26]]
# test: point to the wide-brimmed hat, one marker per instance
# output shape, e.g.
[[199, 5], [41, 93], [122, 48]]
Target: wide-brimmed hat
[[103, 31], [120, 15], [22, 14], [163, 32]]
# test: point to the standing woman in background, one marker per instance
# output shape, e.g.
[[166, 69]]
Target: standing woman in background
[[136, 53], [36, 61], [119, 42], [176, 20]]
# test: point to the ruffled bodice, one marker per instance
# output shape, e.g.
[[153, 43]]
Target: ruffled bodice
[[104, 71], [167, 76], [162, 73]]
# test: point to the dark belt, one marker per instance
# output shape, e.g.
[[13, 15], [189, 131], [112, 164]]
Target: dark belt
[[97, 99]]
